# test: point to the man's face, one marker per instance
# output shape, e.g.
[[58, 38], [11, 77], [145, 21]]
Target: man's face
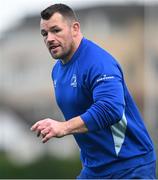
[[57, 33]]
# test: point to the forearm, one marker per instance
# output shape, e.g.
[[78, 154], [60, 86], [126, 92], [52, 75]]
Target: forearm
[[75, 125]]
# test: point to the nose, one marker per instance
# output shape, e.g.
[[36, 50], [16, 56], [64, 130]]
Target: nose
[[50, 37]]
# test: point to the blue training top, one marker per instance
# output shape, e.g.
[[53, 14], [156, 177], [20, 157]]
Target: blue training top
[[91, 85]]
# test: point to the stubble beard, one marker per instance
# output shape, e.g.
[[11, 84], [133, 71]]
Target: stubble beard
[[64, 57]]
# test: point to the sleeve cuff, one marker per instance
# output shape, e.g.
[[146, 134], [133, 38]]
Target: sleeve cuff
[[89, 121]]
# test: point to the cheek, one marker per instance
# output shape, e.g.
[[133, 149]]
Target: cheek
[[69, 43], [67, 40]]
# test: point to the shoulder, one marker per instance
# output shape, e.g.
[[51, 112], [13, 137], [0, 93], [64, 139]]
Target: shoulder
[[95, 57]]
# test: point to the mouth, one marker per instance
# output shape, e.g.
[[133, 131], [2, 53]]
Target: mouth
[[53, 48]]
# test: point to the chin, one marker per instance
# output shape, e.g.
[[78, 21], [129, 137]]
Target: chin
[[60, 56], [55, 56]]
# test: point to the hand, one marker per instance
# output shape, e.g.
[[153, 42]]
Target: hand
[[49, 128]]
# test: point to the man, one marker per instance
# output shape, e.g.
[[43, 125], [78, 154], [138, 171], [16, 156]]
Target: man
[[91, 92]]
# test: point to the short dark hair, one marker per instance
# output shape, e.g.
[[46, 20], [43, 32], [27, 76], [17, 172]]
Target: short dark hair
[[62, 9]]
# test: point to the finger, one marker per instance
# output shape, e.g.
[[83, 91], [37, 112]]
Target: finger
[[45, 131], [38, 133], [46, 138], [35, 126]]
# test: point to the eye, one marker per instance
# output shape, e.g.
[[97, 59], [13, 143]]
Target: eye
[[44, 33], [55, 30]]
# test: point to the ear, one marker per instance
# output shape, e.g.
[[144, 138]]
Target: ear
[[75, 28]]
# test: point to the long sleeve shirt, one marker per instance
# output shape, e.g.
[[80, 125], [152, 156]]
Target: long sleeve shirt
[[91, 85]]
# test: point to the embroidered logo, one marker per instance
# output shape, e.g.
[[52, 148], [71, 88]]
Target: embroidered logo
[[74, 81]]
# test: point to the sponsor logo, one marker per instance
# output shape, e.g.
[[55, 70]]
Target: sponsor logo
[[104, 77]]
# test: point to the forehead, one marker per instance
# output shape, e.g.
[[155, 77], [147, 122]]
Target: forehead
[[55, 20]]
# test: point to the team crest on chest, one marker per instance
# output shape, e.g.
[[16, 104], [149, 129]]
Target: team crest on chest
[[74, 81]]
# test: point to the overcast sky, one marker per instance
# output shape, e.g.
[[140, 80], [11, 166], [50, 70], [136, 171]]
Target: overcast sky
[[11, 11]]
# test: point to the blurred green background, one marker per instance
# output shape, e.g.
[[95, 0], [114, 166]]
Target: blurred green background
[[45, 168], [128, 30]]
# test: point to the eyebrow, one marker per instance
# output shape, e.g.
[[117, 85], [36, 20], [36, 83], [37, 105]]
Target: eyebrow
[[53, 27]]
